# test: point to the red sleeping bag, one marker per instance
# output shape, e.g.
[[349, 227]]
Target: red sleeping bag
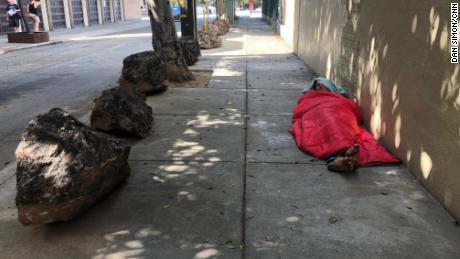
[[327, 123]]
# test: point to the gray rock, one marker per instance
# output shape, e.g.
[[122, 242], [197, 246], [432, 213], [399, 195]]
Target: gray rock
[[212, 28], [222, 26], [122, 110], [145, 72], [63, 167], [209, 40], [191, 50]]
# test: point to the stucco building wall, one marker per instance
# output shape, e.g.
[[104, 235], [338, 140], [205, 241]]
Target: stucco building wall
[[133, 9], [288, 26]]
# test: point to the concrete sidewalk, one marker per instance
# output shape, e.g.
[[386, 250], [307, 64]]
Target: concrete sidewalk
[[221, 177], [80, 33]]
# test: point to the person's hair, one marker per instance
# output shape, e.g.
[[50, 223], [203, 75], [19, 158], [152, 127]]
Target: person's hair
[[315, 85]]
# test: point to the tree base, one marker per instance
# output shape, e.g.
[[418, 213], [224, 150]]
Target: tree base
[[176, 67], [143, 86], [179, 73], [191, 50]]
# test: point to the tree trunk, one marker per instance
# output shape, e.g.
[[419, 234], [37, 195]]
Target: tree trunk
[[221, 10], [165, 41]]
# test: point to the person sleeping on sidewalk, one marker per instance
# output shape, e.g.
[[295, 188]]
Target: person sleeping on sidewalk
[[326, 125]]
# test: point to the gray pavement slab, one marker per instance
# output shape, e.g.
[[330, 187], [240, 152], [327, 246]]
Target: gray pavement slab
[[192, 101], [280, 80], [269, 141], [234, 46], [7, 172], [266, 45], [199, 137], [204, 63], [273, 102], [258, 30], [228, 62], [277, 63], [298, 211], [231, 64], [229, 73], [164, 210], [7, 154], [228, 82], [224, 63]]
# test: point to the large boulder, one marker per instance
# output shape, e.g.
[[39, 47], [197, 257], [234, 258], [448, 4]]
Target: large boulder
[[145, 72], [122, 110], [208, 40], [222, 26], [191, 50], [212, 28], [63, 167]]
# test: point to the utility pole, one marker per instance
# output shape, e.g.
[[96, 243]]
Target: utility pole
[[188, 18]]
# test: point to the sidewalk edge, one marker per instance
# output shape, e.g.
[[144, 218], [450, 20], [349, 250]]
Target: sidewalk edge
[[4, 51]]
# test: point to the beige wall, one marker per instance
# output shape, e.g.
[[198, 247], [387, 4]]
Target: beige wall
[[320, 31], [288, 29], [133, 9], [394, 55]]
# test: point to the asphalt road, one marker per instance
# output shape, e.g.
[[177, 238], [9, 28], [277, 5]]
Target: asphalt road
[[68, 75]]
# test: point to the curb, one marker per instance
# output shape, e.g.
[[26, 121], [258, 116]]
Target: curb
[[8, 50]]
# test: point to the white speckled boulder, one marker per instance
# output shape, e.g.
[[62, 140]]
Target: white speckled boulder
[[63, 167], [209, 40], [145, 72], [122, 110]]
